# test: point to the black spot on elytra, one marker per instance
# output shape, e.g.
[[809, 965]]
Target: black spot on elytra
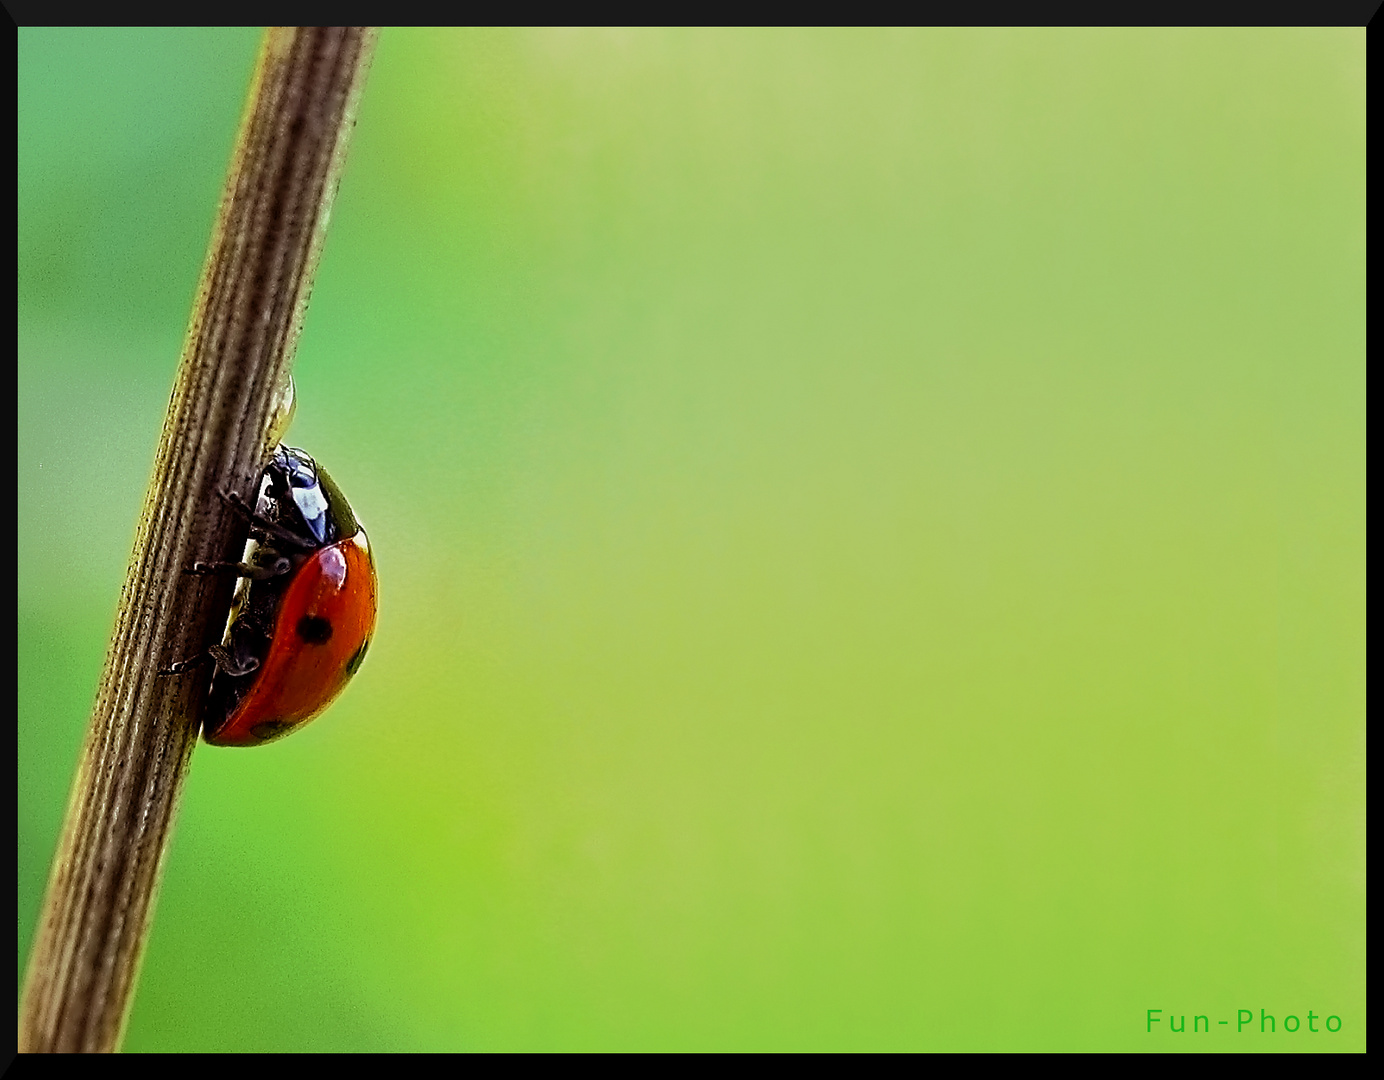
[[267, 729], [355, 661], [314, 629]]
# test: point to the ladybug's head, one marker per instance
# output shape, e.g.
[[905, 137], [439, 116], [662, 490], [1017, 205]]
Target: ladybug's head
[[297, 480], [294, 483]]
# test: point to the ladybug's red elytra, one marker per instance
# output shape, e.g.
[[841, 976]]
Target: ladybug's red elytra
[[304, 609]]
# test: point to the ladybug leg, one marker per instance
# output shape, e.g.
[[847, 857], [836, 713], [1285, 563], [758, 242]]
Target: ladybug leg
[[183, 665], [270, 528], [232, 664], [239, 569]]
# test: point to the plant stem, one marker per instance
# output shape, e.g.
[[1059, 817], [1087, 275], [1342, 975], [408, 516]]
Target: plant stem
[[216, 436]]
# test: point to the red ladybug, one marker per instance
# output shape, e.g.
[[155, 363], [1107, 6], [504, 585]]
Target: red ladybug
[[304, 609]]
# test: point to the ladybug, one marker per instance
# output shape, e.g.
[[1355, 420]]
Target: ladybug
[[304, 607]]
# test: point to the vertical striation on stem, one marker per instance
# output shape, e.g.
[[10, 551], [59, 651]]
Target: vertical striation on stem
[[240, 341]]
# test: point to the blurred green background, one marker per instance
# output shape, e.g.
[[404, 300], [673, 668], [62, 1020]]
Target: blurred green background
[[871, 530]]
